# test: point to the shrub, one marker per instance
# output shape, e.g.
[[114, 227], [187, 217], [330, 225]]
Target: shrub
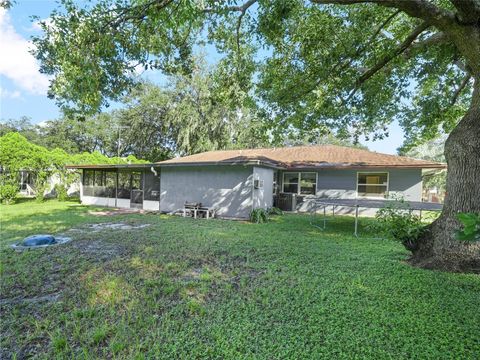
[[259, 216], [396, 221], [471, 227], [41, 185], [61, 192], [275, 211], [8, 193]]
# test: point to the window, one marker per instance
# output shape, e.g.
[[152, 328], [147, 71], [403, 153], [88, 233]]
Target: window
[[303, 183], [26, 179], [308, 183], [372, 185]]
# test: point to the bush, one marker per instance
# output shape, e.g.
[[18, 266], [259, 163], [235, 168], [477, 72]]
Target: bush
[[61, 192], [8, 193], [259, 216], [275, 211], [396, 221], [41, 185], [471, 227]]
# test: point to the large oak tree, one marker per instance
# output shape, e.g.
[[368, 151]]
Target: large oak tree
[[349, 65]]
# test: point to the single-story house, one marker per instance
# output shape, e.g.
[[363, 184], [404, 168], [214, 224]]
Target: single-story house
[[237, 181]]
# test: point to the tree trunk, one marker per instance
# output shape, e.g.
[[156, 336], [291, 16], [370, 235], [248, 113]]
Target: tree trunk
[[439, 248]]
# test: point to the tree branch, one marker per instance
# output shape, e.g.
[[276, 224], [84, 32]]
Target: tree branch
[[435, 39], [339, 66], [460, 88], [238, 8], [387, 58], [468, 11], [421, 9], [243, 9]]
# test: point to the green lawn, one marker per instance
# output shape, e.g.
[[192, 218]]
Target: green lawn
[[185, 288]]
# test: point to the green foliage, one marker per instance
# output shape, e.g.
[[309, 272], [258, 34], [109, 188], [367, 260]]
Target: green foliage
[[20, 154], [308, 79], [190, 114], [471, 227], [396, 221], [121, 43], [333, 294], [274, 211], [24, 127], [61, 192], [41, 183], [432, 150], [8, 189], [259, 216]]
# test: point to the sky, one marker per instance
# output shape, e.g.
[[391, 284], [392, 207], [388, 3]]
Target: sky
[[23, 89]]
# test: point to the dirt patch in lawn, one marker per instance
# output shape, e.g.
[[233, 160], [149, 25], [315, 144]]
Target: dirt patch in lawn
[[110, 226], [113, 212], [99, 250]]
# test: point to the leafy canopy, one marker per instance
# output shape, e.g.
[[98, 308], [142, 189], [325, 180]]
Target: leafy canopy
[[20, 154], [189, 114], [310, 66]]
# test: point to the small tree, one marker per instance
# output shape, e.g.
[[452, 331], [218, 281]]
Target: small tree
[[8, 188]]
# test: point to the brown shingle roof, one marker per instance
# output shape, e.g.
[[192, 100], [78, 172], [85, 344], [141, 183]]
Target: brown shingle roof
[[328, 156]]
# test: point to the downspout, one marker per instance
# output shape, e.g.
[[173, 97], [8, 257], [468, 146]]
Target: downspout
[[116, 188], [82, 176], [152, 169], [253, 185]]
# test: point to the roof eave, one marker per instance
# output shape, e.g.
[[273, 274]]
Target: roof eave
[[276, 166], [111, 166], [216, 163]]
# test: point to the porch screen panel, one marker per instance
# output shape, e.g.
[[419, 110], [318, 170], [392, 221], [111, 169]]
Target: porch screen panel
[[110, 183], [99, 183], [152, 187], [123, 191], [88, 176]]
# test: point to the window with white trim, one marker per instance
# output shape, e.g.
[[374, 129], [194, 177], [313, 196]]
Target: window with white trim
[[372, 184], [301, 183]]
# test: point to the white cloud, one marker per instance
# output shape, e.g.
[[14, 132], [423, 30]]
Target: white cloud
[[7, 94], [36, 24], [43, 123], [16, 63]]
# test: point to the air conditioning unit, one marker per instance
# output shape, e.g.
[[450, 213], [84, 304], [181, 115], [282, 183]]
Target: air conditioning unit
[[258, 184], [286, 202]]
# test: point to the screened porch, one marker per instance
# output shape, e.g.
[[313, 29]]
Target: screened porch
[[122, 187]]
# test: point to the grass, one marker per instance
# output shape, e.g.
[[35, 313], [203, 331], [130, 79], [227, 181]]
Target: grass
[[184, 288]]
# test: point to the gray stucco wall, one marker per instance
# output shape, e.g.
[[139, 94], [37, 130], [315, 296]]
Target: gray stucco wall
[[263, 198], [342, 184], [227, 188], [407, 183]]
